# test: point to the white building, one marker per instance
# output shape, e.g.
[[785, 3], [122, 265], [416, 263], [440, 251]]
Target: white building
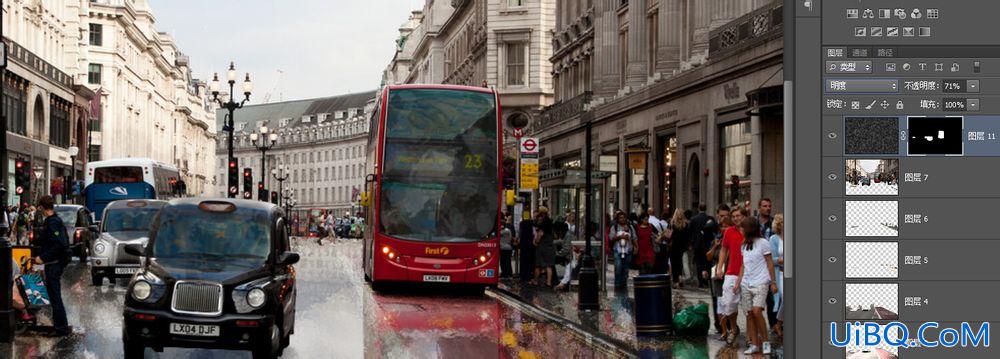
[[320, 141], [46, 108], [150, 104]]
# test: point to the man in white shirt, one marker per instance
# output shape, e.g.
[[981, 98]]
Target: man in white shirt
[[656, 222], [572, 266]]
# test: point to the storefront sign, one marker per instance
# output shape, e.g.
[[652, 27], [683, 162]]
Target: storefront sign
[[608, 163], [637, 159]]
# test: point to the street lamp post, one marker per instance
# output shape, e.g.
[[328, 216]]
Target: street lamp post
[[266, 142], [230, 106], [587, 297], [280, 174], [73, 151]]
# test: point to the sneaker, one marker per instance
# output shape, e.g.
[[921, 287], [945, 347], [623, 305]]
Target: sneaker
[[750, 351], [767, 348]]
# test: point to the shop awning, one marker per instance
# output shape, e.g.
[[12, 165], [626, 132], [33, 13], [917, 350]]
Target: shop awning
[[569, 178]]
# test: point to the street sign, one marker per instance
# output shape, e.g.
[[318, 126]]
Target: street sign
[[518, 133], [529, 182], [529, 145]]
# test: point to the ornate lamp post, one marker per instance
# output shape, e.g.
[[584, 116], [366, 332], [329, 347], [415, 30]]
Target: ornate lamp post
[[262, 143], [230, 106], [281, 174]]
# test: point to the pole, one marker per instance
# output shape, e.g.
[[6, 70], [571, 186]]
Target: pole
[[6, 280], [229, 131], [262, 195], [587, 297]]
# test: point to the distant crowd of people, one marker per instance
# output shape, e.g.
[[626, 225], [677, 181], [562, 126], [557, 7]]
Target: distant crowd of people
[[737, 255]]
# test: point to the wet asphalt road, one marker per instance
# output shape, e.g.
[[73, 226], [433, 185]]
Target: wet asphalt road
[[338, 317]]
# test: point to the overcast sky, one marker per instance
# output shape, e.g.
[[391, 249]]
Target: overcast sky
[[324, 47]]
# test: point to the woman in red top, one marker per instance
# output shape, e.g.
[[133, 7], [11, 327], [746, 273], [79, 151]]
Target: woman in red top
[[645, 234]]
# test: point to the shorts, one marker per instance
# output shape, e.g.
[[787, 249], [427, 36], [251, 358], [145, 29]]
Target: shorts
[[754, 296], [729, 301]]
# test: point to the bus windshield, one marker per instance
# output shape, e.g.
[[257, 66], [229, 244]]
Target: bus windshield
[[440, 175], [121, 174]]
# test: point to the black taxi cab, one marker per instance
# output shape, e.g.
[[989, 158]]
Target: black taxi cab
[[217, 274]]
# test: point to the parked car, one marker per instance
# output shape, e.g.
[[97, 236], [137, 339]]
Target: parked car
[[79, 227], [125, 222], [219, 275]]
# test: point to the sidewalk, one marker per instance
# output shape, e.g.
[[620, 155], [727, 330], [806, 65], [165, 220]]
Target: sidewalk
[[614, 321]]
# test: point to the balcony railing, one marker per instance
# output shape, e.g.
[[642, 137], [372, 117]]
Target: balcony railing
[[563, 111], [749, 30]]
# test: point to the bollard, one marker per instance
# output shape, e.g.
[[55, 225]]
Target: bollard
[[653, 305]]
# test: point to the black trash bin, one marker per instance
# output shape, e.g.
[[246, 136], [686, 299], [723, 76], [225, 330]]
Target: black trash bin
[[653, 305]]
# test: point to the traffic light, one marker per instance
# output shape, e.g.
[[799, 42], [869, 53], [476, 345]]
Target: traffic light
[[234, 178], [247, 183], [261, 192], [274, 197], [22, 179]]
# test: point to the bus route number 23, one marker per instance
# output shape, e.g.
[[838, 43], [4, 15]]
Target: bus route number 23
[[473, 161]]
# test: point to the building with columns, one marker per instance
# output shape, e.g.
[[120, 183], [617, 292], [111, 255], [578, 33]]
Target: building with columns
[[321, 142], [504, 44], [150, 104], [684, 98], [45, 106]]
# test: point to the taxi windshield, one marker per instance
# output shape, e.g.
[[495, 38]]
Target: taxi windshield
[[128, 219], [224, 239]]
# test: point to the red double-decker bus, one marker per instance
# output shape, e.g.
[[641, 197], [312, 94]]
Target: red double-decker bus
[[434, 191]]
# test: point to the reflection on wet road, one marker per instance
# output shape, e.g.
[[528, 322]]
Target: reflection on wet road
[[338, 317]]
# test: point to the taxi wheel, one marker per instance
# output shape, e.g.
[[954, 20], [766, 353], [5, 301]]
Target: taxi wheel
[[271, 349]]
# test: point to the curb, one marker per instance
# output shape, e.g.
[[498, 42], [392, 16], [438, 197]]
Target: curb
[[604, 343]]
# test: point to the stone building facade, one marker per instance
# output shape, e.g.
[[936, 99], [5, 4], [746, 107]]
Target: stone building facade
[[321, 142], [504, 44], [151, 105], [46, 108], [685, 106]]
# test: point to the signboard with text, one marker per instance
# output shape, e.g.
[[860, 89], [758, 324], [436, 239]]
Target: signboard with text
[[528, 149]]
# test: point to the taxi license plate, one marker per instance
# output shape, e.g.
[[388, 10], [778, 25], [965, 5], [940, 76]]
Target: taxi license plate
[[194, 330], [436, 278], [126, 270]]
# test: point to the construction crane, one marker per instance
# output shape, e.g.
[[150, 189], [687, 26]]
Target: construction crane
[[267, 96]]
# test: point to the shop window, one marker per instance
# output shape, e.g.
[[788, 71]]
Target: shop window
[[736, 139]]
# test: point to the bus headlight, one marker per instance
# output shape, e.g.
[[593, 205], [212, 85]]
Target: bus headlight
[[141, 290], [256, 297]]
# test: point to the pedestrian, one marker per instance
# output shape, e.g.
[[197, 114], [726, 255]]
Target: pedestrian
[[53, 251], [623, 236], [731, 257], [572, 267], [700, 244], [764, 217], [571, 223], [645, 233], [545, 251], [774, 316], [563, 241], [506, 246], [23, 225], [526, 241], [755, 283], [712, 232], [653, 220], [680, 241]]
